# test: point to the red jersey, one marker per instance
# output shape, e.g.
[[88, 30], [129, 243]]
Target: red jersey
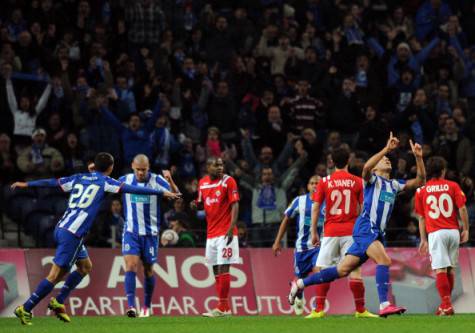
[[436, 203], [217, 196], [343, 196]]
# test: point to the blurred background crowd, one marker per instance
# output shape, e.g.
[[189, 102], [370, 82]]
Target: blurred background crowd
[[271, 86]]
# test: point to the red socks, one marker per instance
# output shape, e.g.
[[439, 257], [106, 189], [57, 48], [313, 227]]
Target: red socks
[[223, 284], [321, 291], [357, 288], [443, 286]]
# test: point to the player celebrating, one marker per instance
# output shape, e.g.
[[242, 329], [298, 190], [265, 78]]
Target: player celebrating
[[87, 191], [368, 234], [139, 240], [306, 253], [435, 203], [343, 194], [218, 196]]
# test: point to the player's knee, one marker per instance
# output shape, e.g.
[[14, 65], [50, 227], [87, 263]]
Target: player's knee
[[343, 271], [131, 267], [85, 268], [385, 260]]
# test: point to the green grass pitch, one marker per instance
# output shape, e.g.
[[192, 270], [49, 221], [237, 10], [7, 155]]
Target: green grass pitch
[[257, 324]]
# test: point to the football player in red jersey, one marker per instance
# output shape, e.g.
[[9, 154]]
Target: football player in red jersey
[[219, 197], [342, 193], [437, 204]]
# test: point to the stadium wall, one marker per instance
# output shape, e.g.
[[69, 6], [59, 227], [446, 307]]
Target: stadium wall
[[185, 285]]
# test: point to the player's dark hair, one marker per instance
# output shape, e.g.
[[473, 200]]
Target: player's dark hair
[[435, 167], [340, 157], [211, 160], [103, 161]]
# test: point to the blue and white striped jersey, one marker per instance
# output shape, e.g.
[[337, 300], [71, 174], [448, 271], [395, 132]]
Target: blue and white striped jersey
[[379, 198], [142, 212], [301, 206], [87, 191]]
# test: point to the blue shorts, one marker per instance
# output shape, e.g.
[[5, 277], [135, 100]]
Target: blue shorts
[[69, 248], [146, 247], [363, 237], [305, 261]]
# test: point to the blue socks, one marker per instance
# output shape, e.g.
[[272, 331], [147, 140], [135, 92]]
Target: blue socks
[[43, 289], [325, 275], [71, 283], [382, 282], [130, 288], [148, 291]]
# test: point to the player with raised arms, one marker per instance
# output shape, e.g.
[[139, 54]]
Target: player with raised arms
[[437, 204], [305, 253], [142, 225], [380, 193], [219, 197], [343, 194], [87, 192]]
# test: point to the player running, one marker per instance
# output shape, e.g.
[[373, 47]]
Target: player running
[[437, 203], [87, 191], [305, 253], [218, 195], [343, 194], [142, 224], [379, 196]]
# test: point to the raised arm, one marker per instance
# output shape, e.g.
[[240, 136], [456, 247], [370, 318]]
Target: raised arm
[[392, 144], [11, 96], [424, 53], [420, 179], [43, 99], [126, 188], [248, 150], [112, 118], [150, 124], [50, 182], [375, 46]]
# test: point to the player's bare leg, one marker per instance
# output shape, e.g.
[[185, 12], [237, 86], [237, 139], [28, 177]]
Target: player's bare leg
[[344, 268], [23, 312], [223, 281], [443, 284], [377, 253], [84, 267], [131, 267], [149, 286]]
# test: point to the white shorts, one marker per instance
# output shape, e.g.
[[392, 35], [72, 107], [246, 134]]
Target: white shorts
[[332, 250], [444, 248], [217, 253]]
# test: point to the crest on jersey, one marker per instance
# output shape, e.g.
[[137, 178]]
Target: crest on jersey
[[218, 193]]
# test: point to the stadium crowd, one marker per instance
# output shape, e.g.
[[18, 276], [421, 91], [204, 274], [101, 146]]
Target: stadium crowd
[[271, 86]]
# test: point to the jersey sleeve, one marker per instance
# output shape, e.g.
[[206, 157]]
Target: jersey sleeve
[[112, 185], [371, 180], [418, 204], [292, 210], [459, 196], [319, 194], [66, 183], [232, 190], [162, 183], [399, 184]]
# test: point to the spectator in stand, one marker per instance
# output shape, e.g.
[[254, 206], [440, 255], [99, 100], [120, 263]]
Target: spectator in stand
[[268, 205], [304, 110], [74, 156], [430, 15], [242, 234], [273, 131], [454, 147], [178, 223], [223, 113], [136, 137], [26, 113], [371, 132], [39, 160]]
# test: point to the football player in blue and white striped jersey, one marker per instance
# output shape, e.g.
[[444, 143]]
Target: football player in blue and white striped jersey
[[305, 255], [142, 225], [87, 192]]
